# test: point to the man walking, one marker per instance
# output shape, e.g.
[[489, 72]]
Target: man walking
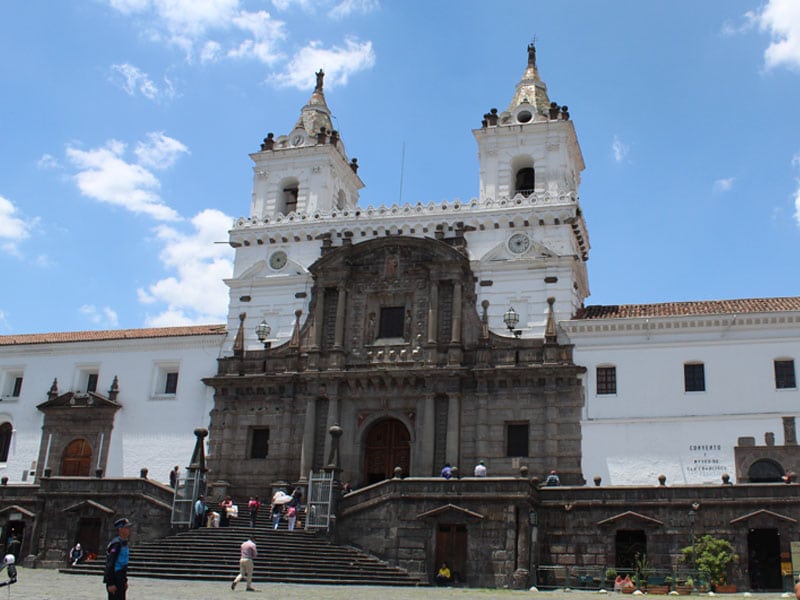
[[249, 552], [115, 575]]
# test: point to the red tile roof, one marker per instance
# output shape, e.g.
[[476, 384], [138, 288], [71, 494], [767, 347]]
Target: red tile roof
[[686, 309], [111, 334]]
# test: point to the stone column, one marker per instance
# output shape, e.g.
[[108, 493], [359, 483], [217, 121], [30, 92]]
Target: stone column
[[307, 451], [341, 301], [455, 329], [318, 312], [433, 310], [426, 430], [454, 431], [482, 426], [333, 419]]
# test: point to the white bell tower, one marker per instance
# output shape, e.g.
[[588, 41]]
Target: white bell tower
[[530, 171], [306, 171]]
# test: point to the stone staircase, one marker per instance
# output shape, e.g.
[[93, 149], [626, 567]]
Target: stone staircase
[[283, 556]]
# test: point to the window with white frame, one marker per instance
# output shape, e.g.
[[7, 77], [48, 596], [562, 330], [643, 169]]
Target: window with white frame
[[165, 380], [785, 374], [12, 384], [694, 377], [86, 378], [606, 380]]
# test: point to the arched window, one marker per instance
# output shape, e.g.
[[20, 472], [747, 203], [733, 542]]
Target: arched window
[[525, 181], [288, 191], [6, 430], [77, 458], [765, 471]]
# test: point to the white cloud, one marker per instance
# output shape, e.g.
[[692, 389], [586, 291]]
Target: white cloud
[[13, 228], [796, 163], [781, 18], [339, 9], [160, 151], [195, 25], [48, 162], [104, 175], [133, 80], [105, 316], [196, 292], [345, 8], [339, 64], [724, 185], [619, 148], [266, 33]]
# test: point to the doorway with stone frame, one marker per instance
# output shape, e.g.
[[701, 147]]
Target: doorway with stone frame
[[387, 444]]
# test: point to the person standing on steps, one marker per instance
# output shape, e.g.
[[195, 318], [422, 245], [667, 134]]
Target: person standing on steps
[[276, 511], [173, 477], [248, 554], [253, 507], [115, 575]]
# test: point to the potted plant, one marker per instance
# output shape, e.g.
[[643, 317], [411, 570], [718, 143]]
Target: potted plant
[[684, 587], [642, 569], [611, 576], [712, 556]]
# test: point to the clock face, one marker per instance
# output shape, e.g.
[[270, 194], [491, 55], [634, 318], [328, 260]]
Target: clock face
[[278, 260], [519, 243]]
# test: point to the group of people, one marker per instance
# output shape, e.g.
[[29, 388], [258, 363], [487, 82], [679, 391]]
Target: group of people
[[448, 471]]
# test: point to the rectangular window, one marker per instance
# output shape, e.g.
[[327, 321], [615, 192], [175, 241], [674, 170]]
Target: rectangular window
[[171, 382], [17, 388], [259, 442], [784, 375], [91, 382], [606, 380], [392, 322], [517, 439], [694, 377]]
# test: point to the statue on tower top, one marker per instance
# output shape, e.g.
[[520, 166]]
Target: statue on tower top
[[532, 54], [320, 76]]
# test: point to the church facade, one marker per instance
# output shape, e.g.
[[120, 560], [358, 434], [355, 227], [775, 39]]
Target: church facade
[[425, 335]]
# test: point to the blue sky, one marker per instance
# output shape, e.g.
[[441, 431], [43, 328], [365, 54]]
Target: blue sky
[[125, 129]]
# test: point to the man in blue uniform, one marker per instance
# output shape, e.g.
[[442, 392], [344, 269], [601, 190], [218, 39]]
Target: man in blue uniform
[[116, 573]]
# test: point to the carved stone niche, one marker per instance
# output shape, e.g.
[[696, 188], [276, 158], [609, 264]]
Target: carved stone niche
[[390, 285]]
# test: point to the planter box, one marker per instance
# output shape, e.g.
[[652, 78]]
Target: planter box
[[658, 590], [727, 588], [683, 590]]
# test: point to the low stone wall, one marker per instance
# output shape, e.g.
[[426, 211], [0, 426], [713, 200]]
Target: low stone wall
[[58, 504], [400, 521]]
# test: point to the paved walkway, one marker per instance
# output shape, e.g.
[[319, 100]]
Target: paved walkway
[[49, 584]]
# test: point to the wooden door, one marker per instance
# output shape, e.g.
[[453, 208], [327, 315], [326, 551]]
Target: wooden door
[[387, 446], [77, 458], [451, 548]]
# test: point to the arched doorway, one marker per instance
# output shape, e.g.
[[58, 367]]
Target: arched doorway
[[765, 471], [77, 458], [387, 446]]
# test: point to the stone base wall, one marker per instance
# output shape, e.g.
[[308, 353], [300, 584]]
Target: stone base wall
[[53, 511]]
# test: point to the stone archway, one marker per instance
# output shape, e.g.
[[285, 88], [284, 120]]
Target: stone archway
[[77, 459], [765, 470], [387, 445]]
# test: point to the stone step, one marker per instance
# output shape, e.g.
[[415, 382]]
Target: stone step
[[212, 554]]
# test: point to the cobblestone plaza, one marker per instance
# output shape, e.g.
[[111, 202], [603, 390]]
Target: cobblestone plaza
[[47, 584]]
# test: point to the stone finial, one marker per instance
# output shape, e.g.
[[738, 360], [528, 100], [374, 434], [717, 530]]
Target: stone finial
[[333, 458], [295, 341], [550, 333], [52, 393], [238, 342], [532, 54], [269, 142], [398, 472], [114, 391], [662, 479], [769, 438], [597, 480], [789, 432], [354, 165]]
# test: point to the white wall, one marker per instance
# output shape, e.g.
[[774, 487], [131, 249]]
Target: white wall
[[150, 430]]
